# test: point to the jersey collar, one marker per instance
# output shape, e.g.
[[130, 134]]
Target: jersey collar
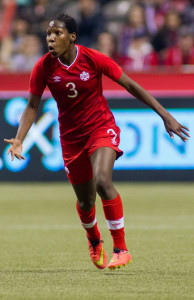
[[66, 66]]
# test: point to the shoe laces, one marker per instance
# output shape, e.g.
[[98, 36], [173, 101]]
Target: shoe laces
[[94, 244], [116, 252]]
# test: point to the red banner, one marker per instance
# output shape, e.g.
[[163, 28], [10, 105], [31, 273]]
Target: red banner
[[157, 84]]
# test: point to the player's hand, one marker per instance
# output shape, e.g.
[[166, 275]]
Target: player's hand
[[172, 126], [15, 149]]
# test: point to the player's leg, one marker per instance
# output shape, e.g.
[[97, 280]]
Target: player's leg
[[102, 161], [80, 174], [81, 177], [86, 195]]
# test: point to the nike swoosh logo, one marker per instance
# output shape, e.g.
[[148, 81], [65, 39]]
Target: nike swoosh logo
[[113, 260], [101, 260]]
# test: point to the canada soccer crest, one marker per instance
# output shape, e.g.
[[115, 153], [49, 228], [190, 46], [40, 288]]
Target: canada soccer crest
[[84, 76]]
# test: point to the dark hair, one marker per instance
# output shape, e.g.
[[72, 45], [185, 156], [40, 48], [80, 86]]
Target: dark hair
[[69, 22]]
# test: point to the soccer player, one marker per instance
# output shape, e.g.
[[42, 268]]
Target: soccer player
[[88, 133]]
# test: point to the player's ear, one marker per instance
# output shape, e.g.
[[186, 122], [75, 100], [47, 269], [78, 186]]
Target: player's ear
[[73, 37]]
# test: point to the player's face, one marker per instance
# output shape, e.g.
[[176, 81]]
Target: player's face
[[59, 40]]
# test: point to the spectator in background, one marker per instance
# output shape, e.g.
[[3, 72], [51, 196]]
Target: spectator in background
[[140, 54], [90, 22], [30, 52], [8, 8], [188, 14], [106, 44], [37, 12], [167, 36], [160, 18], [155, 11], [183, 52], [11, 45], [135, 21], [181, 6]]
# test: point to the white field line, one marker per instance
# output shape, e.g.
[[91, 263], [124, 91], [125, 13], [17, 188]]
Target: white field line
[[77, 227]]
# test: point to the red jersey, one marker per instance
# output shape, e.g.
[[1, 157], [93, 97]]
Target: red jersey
[[77, 90]]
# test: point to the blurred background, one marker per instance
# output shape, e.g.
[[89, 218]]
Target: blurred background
[[139, 34], [152, 40]]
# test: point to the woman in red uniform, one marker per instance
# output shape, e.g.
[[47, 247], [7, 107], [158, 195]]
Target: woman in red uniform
[[88, 133]]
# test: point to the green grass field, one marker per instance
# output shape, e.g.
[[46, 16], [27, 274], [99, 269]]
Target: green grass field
[[44, 252]]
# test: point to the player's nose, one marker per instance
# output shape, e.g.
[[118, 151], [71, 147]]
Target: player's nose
[[51, 38]]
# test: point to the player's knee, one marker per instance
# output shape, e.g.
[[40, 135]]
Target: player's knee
[[87, 203], [103, 184]]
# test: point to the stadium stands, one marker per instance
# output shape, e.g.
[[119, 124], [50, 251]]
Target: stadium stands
[[118, 18]]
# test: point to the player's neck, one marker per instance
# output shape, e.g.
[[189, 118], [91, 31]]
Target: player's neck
[[69, 56]]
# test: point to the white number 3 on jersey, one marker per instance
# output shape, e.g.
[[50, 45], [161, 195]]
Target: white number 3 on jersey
[[113, 133], [72, 89]]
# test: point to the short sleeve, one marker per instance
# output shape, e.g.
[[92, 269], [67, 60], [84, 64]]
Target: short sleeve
[[107, 66], [37, 81]]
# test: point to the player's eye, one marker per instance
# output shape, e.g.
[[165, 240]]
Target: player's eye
[[58, 33]]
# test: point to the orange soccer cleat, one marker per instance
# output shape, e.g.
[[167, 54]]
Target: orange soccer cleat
[[120, 258], [97, 253]]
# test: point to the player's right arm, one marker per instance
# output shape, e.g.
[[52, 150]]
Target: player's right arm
[[26, 121]]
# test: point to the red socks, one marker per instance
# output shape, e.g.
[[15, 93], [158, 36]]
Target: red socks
[[89, 222], [113, 210]]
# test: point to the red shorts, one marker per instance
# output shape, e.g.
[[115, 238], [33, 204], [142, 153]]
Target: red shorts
[[76, 155]]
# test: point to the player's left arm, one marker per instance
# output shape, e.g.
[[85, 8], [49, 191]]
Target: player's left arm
[[170, 123]]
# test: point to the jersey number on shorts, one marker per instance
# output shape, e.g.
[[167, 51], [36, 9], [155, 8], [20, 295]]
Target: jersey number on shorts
[[71, 86], [115, 135]]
